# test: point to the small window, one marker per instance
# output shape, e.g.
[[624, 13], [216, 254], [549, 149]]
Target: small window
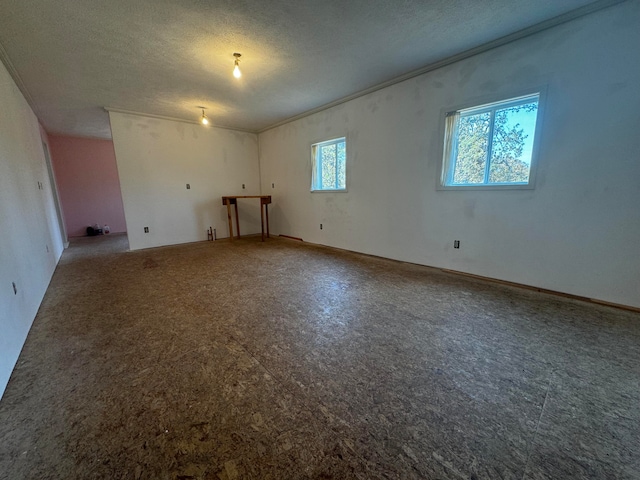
[[329, 165], [491, 145]]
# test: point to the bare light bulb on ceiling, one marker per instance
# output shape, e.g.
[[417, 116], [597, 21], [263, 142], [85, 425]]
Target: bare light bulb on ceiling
[[236, 69], [204, 120]]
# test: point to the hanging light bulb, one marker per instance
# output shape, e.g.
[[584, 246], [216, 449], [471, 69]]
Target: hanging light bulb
[[204, 120], [236, 69]]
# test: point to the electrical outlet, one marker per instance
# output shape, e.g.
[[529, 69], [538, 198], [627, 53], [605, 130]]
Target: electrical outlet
[[456, 244], [320, 226], [15, 289], [188, 186], [243, 186], [273, 185], [146, 229]]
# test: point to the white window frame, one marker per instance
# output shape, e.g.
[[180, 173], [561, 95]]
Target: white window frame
[[447, 167], [316, 167]]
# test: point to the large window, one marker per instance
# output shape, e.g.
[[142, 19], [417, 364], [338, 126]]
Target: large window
[[329, 165], [491, 145]]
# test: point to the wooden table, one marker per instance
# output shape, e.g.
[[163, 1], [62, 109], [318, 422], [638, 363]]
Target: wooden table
[[233, 200]]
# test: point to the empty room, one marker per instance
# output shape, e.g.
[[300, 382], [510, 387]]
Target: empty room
[[320, 239]]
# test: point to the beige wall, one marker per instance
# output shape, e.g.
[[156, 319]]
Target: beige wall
[[576, 232], [157, 158], [31, 241]]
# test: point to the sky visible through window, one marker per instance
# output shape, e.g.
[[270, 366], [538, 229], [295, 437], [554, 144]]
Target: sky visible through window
[[527, 121]]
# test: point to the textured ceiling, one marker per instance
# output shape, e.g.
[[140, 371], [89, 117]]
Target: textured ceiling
[[71, 58]]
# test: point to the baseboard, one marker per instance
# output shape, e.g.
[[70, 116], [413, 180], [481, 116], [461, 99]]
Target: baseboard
[[492, 280], [292, 238], [544, 290]]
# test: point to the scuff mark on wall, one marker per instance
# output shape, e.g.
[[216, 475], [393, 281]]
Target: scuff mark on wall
[[469, 207], [490, 86], [180, 130], [467, 69]]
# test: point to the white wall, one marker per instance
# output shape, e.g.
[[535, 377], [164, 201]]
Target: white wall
[[28, 223], [157, 158], [578, 231]]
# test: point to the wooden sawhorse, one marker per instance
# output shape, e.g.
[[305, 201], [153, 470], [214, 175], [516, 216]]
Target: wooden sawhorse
[[233, 200]]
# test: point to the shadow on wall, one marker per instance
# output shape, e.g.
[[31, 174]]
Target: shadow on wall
[[206, 214], [282, 223], [214, 213]]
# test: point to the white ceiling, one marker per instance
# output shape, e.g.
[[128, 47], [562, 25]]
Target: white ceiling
[[71, 58]]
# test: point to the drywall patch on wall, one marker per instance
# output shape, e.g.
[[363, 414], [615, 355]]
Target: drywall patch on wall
[[573, 233], [31, 241], [156, 160], [88, 183]]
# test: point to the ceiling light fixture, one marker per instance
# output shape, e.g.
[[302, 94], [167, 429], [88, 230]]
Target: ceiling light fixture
[[236, 69], [204, 120]]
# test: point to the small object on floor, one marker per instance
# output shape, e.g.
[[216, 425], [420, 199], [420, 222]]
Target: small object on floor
[[94, 230]]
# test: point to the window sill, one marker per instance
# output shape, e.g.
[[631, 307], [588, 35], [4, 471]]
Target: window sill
[[528, 186]]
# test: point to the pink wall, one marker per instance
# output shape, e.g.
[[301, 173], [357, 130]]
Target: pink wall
[[88, 183]]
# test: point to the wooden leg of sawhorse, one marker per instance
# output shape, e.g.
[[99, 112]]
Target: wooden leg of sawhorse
[[262, 221], [237, 220], [266, 210], [229, 217]]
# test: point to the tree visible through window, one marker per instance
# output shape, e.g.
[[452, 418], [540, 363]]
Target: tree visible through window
[[329, 165], [491, 144]]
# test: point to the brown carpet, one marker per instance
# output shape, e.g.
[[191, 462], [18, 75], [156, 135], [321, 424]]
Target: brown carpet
[[280, 360]]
